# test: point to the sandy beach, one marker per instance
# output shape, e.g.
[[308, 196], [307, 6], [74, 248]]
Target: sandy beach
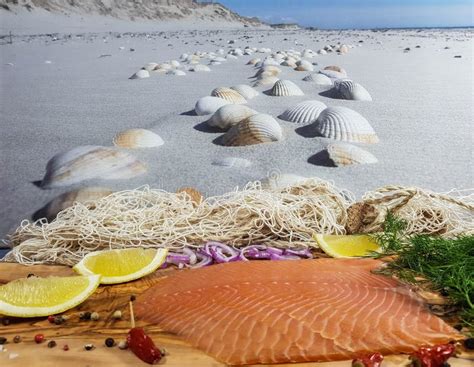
[[67, 90]]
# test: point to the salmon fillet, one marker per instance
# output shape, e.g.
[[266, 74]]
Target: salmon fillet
[[291, 311]]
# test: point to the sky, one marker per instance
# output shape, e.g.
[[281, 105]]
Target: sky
[[359, 13]]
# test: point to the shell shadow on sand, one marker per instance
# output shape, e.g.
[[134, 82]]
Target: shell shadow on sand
[[189, 113], [321, 159]]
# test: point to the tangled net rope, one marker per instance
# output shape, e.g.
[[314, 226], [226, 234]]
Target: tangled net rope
[[284, 218], [154, 218]]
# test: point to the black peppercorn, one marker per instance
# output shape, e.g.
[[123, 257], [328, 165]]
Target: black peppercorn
[[17, 339], [85, 315], [6, 322], [133, 297], [3, 340], [109, 342], [89, 346], [51, 344], [469, 343]]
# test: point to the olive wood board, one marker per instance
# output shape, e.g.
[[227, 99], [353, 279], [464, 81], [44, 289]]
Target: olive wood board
[[105, 301]]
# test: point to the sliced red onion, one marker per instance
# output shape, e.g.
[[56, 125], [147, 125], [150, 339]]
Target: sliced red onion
[[306, 253], [274, 250], [176, 258], [254, 252], [284, 257], [203, 259], [191, 254], [221, 253]]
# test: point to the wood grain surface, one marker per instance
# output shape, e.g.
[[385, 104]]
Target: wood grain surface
[[107, 299]]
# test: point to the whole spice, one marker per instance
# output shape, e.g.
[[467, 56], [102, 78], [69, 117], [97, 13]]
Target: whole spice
[[88, 346], [51, 319], [3, 340], [39, 338], [65, 347], [123, 344], [51, 344], [432, 356], [58, 320], [17, 339], [109, 342], [132, 298], [95, 316], [371, 360], [117, 315], [5, 322], [85, 315]]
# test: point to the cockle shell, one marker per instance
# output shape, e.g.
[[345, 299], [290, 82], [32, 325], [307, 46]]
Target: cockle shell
[[230, 115], [176, 72], [137, 138], [270, 62], [162, 68], [343, 49], [342, 123], [344, 154], [245, 90], [88, 162], [281, 180], [347, 89], [256, 129], [66, 200], [336, 68], [322, 52], [317, 78], [286, 88], [266, 81], [254, 61], [333, 74], [229, 95], [231, 162], [304, 65], [207, 105], [150, 66], [140, 74], [267, 71], [289, 63], [304, 112], [174, 63], [199, 68]]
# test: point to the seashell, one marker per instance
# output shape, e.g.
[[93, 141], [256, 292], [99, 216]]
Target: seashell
[[66, 200], [214, 62], [342, 123], [291, 64], [304, 112], [333, 74], [304, 65], [285, 88], [232, 162], [175, 63], [150, 66], [199, 68], [317, 78], [347, 89], [207, 105], [254, 61], [343, 154], [229, 95], [336, 68], [265, 71], [230, 115], [162, 68], [195, 196], [280, 181], [184, 56], [256, 129], [266, 81], [88, 162], [176, 72], [270, 62], [322, 52], [343, 49], [140, 74], [245, 90], [137, 138]]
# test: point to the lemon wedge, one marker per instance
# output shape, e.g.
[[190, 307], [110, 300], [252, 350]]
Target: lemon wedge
[[120, 266], [33, 297], [346, 246]]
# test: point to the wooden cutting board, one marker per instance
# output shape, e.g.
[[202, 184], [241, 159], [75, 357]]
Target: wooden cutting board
[[105, 301]]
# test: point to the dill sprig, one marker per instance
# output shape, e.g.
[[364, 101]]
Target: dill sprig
[[446, 264]]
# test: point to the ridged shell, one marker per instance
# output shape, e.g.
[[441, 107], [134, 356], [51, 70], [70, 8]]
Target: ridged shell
[[317, 78], [304, 65], [256, 129], [322, 52], [66, 200], [140, 74], [137, 138], [350, 90], [254, 61], [231, 162], [207, 105], [342, 123], [266, 81], [343, 154], [304, 112], [333, 74], [229, 95], [199, 68], [88, 162], [245, 91], [343, 49], [286, 88], [230, 115], [268, 70], [280, 181], [336, 68]]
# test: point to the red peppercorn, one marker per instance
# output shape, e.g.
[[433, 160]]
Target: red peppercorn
[[433, 356], [51, 319], [39, 338], [66, 347]]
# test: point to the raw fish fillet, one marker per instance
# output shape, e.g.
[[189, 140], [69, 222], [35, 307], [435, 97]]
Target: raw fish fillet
[[291, 311]]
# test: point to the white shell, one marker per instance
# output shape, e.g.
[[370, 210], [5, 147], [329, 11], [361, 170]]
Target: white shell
[[254, 61], [207, 105], [268, 70], [317, 78], [150, 66], [343, 154], [333, 74], [88, 162], [231, 162], [140, 74], [343, 49], [342, 123], [199, 68], [137, 138], [336, 68], [286, 88], [304, 112], [230, 115], [347, 89], [266, 81], [175, 63], [176, 72], [229, 95], [245, 90], [304, 65], [63, 201], [322, 52], [256, 129], [280, 181]]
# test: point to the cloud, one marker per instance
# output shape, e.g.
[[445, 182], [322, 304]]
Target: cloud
[[277, 19]]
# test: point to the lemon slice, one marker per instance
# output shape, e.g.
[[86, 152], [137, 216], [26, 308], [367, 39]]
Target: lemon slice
[[346, 246], [33, 297], [120, 266]]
